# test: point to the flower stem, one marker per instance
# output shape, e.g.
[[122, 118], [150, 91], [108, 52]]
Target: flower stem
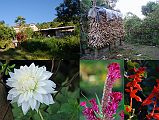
[[40, 115]]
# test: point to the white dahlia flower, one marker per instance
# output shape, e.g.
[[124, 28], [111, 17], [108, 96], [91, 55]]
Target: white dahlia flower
[[30, 87]]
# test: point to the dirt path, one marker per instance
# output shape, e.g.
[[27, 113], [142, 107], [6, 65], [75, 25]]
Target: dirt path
[[127, 51]]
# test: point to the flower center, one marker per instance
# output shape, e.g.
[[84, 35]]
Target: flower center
[[28, 83]]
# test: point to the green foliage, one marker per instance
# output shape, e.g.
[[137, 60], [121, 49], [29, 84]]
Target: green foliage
[[66, 107], [143, 31], [148, 8], [29, 33], [52, 24], [6, 32], [55, 47], [68, 11], [6, 68], [20, 20]]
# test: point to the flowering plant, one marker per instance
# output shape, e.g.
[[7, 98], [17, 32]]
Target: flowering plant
[[23, 79], [143, 100], [110, 100], [30, 87]]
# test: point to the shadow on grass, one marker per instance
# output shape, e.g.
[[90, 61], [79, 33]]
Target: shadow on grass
[[12, 54]]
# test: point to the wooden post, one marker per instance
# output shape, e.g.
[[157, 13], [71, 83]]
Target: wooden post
[[5, 108], [96, 53]]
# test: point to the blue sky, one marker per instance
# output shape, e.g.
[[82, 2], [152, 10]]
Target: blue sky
[[33, 10]]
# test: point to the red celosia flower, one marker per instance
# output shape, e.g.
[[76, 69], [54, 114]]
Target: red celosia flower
[[112, 105], [114, 71]]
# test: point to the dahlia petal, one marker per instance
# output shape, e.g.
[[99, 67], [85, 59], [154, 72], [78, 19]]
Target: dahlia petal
[[38, 97], [46, 99], [21, 98], [15, 99], [37, 106], [25, 107], [13, 90], [50, 99], [9, 83], [48, 89], [32, 103], [46, 75], [41, 90], [9, 97], [42, 83], [11, 74], [50, 83]]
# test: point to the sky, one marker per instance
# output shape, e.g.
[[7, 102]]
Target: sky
[[34, 11], [133, 6]]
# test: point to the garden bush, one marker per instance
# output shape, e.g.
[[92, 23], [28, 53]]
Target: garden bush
[[55, 47]]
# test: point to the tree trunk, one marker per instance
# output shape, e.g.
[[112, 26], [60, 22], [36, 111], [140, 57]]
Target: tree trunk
[[5, 108]]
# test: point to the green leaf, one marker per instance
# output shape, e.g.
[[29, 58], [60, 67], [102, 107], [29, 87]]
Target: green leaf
[[53, 109], [12, 66], [99, 104], [125, 112]]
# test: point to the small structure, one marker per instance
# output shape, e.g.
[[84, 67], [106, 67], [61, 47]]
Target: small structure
[[32, 26], [105, 27], [58, 31]]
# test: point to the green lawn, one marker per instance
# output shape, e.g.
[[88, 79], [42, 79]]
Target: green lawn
[[47, 48]]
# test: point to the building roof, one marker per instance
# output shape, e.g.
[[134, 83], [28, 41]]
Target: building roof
[[58, 28]]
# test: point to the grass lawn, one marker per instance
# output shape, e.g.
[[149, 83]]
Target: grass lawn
[[47, 48]]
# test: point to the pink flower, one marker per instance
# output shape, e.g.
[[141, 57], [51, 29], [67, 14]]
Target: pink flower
[[83, 104], [112, 105], [114, 71], [111, 109], [121, 115], [94, 105], [116, 96], [89, 112]]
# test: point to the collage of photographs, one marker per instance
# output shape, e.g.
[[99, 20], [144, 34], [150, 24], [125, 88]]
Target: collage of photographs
[[79, 60]]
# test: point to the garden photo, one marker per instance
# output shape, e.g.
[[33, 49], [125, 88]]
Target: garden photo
[[141, 97], [119, 29], [39, 29], [39, 90], [101, 90]]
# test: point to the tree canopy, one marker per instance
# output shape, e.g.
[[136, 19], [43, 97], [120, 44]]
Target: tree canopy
[[68, 11], [149, 8], [143, 31]]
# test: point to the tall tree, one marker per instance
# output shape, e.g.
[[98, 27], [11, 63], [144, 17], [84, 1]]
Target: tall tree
[[148, 8], [68, 11], [20, 20]]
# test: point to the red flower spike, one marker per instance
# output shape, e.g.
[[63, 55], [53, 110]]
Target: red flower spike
[[133, 87], [147, 102]]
